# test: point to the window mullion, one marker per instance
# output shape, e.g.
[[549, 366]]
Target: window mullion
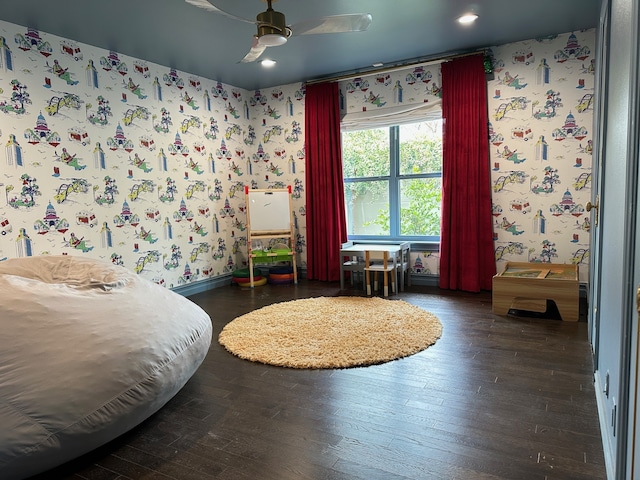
[[394, 187], [374, 164]]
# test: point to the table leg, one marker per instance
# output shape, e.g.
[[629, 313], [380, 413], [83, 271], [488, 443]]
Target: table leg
[[569, 309]]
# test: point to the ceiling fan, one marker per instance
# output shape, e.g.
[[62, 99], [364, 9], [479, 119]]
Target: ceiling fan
[[273, 30]]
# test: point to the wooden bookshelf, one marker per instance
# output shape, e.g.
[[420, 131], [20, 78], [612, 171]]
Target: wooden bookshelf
[[528, 286]]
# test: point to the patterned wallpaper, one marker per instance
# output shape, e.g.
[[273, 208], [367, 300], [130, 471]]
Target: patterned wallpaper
[[121, 159], [396, 93], [540, 115], [117, 158]]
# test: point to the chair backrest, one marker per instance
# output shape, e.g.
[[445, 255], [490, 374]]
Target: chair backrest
[[403, 259], [370, 255]]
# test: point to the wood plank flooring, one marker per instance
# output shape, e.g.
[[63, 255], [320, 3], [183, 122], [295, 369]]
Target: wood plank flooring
[[495, 398]]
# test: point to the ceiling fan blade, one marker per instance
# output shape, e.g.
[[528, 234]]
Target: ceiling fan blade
[[255, 52], [356, 22], [212, 8]]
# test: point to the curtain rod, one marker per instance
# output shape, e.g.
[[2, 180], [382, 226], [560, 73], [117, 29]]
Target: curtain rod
[[424, 61]]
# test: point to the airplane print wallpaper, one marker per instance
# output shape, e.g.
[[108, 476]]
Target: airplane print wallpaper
[[541, 141], [540, 109], [403, 93], [135, 163], [144, 166]]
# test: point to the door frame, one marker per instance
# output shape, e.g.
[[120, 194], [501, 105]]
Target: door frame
[[624, 428], [600, 128], [631, 327]]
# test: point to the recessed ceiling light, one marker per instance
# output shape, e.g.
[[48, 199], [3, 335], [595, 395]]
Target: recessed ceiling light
[[268, 63], [467, 18]]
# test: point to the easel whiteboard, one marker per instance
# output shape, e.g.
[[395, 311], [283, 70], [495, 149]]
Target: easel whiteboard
[[269, 210]]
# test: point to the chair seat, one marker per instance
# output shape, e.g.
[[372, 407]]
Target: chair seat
[[380, 268], [387, 267]]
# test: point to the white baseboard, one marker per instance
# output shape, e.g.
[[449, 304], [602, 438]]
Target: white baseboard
[[603, 416]]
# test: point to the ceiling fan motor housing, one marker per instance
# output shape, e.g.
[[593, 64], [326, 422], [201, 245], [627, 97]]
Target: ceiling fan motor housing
[[272, 23]]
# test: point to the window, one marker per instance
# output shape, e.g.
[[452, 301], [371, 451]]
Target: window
[[392, 181]]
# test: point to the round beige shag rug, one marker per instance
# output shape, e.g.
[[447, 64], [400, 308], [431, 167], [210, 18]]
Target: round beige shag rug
[[331, 332]]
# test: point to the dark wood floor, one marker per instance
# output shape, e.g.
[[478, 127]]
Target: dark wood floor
[[494, 398]]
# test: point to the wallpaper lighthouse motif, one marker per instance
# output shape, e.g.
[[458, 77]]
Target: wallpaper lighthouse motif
[[546, 88], [540, 114], [110, 139], [117, 158]]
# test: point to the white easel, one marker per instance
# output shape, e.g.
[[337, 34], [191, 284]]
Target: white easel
[[270, 215]]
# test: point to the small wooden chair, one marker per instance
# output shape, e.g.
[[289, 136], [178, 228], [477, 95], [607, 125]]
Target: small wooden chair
[[387, 268], [403, 265], [354, 265]]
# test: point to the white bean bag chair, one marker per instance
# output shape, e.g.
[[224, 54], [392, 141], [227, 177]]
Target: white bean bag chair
[[88, 350]]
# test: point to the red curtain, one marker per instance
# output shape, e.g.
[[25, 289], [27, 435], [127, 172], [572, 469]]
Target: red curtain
[[466, 249], [326, 218]]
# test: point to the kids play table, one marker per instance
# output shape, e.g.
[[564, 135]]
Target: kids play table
[[528, 286]]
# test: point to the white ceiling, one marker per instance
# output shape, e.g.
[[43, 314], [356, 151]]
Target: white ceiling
[[176, 34]]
